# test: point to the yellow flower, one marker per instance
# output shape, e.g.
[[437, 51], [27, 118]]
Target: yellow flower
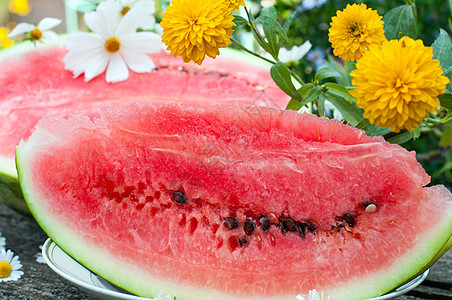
[[5, 42], [19, 7], [235, 4], [398, 83], [353, 30], [193, 29]]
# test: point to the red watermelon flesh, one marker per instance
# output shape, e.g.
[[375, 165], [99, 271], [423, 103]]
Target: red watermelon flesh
[[236, 203], [35, 83]]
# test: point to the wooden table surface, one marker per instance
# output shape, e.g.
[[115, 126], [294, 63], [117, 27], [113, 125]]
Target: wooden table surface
[[24, 236]]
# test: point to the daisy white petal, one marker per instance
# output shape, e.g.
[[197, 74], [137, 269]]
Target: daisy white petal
[[294, 54], [148, 42], [48, 23], [96, 65], [134, 18], [138, 61], [83, 41], [20, 29], [9, 266], [117, 69], [104, 20], [51, 36]]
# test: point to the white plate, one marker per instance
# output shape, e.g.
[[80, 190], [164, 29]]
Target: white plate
[[77, 274]]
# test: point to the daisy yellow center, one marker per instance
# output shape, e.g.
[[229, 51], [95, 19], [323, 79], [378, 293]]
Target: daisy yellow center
[[36, 34], [398, 83], [5, 269], [125, 10], [354, 30], [194, 29], [112, 45]]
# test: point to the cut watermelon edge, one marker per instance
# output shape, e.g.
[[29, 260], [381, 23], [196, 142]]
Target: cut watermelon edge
[[9, 185], [428, 249]]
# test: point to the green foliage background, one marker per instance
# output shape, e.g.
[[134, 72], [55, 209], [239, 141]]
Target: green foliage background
[[433, 147]]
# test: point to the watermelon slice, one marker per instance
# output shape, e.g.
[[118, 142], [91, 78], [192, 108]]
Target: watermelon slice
[[233, 203], [35, 83]]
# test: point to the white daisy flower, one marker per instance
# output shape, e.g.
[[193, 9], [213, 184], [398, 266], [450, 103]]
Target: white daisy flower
[[9, 266], [39, 257], [2, 242], [294, 54], [36, 33], [314, 295], [148, 5], [115, 45]]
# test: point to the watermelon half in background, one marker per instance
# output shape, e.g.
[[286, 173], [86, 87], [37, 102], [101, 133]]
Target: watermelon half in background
[[35, 83], [233, 203]]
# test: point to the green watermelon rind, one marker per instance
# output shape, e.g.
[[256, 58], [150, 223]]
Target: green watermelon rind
[[10, 193], [128, 276]]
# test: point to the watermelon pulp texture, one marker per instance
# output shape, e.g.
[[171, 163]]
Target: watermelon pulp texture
[[34, 83], [237, 203]]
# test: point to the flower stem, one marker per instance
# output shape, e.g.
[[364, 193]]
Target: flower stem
[[237, 43], [294, 75]]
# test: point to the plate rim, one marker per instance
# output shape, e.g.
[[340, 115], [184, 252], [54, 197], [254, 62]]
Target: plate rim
[[402, 289], [73, 279]]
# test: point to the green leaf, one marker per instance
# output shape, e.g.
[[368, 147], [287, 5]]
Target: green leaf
[[442, 51], [294, 105], [371, 129], [338, 90], [268, 22], [343, 70], [446, 138], [269, 11], [415, 133], [312, 95], [325, 73], [400, 138], [399, 21], [351, 113], [303, 92], [321, 104], [446, 101], [282, 77], [238, 20], [288, 22]]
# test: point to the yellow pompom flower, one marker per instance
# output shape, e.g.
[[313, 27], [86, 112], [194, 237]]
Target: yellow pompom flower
[[398, 83], [354, 30], [5, 42], [193, 29], [19, 7], [235, 4]]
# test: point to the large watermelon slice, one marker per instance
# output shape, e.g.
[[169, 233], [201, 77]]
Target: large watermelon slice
[[236, 203], [34, 83]]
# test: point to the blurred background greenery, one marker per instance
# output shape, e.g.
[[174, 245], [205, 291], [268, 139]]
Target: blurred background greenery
[[311, 23]]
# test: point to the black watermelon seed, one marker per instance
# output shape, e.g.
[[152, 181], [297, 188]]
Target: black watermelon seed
[[281, 226], [301, 228], [243, 241], [179, 197], [309, 225], [289, 224], [230, 223], [264, 223], [249, 226], [349, 219]]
